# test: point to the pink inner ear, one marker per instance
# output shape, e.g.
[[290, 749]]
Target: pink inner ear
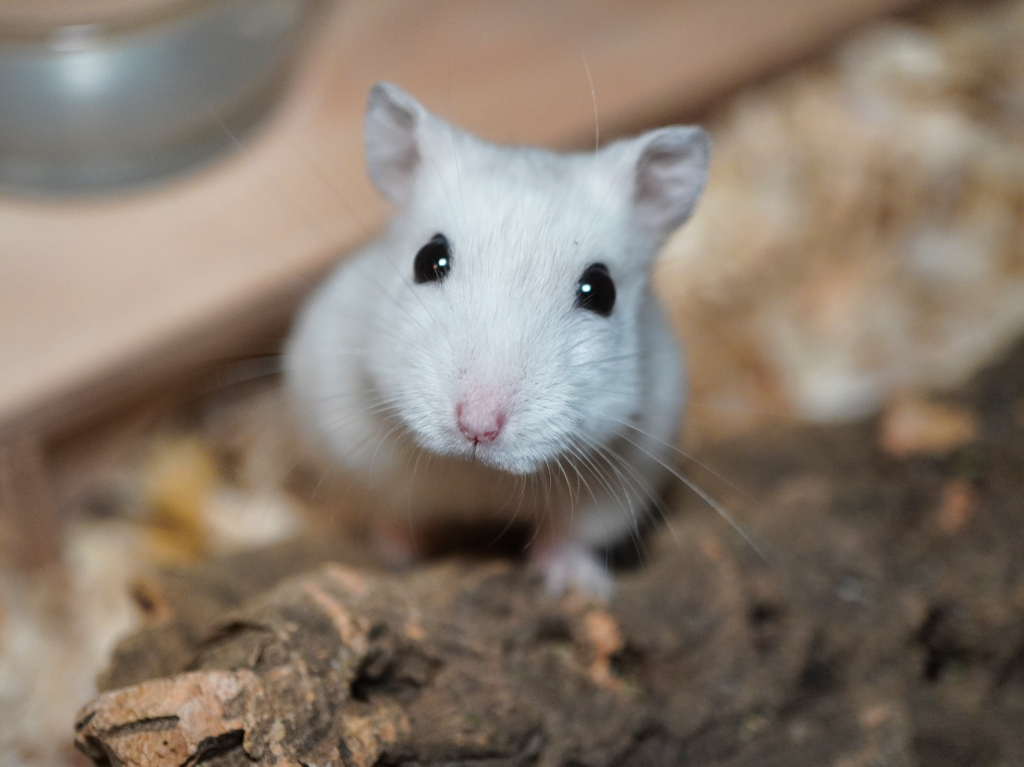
[[402, 164], [670, 175], [400, 135], [392, 152], [652, 170]]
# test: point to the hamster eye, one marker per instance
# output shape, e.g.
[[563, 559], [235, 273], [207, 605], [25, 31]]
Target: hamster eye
[[434, 260], [596, 291]]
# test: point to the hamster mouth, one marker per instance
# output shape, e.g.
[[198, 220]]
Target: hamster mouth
[[498, 459], [479, 441], [497, 455], [490, 454]]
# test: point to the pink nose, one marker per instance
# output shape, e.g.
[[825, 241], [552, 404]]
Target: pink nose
[[479, 421]]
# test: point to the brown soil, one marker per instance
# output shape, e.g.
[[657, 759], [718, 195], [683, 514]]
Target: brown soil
[[885, 626]]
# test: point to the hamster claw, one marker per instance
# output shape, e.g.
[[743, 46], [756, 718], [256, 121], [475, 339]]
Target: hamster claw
[[575, 566]]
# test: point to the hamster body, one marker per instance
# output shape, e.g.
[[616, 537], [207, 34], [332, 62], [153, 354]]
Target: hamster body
[[498, 351]]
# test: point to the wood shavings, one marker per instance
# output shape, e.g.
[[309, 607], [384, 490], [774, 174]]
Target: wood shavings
[[914, 425], [180, 476], [959, 504], [605, 637], [861, 231]]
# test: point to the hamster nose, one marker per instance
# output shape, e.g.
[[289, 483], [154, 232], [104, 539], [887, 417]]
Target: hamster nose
[[479, 421]]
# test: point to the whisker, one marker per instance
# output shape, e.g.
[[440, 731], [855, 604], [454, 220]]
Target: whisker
[[333, 188], [634, 527], [704, 497], [298, 208], [600, 207], [451, 129], [684, 454], [651, 495], [593, 98]]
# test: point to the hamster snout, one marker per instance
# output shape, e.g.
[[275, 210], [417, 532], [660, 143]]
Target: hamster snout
[[504, 324], [480, 415]]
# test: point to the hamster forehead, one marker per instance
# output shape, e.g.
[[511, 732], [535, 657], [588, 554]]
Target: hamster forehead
[[519, 214]]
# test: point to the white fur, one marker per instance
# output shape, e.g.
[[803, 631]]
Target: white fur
[[523, 225]]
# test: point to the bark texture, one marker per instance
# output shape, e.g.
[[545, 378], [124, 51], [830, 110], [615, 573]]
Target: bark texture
[[886, 627]]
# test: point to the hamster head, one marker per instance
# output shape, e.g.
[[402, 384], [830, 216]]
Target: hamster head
[[507, 326]]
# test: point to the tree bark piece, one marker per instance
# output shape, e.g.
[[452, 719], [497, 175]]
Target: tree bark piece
[[462, 661], [874, 635]]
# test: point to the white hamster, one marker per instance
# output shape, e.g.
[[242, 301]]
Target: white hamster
[[498, 351]]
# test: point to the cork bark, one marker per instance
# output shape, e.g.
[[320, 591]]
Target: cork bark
[[885, 627]]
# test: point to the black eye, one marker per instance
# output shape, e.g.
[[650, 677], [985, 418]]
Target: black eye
[[596, 291], [434, 260]]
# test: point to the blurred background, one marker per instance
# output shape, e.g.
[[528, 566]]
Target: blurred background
[[176, 174]]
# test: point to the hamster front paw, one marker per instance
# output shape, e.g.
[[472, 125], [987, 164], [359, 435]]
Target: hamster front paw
[[574, 565]]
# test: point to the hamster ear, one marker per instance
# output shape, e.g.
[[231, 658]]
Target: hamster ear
[[390, 127], [670, 171]]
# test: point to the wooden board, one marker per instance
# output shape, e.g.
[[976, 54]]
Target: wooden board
[[102, 299]]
